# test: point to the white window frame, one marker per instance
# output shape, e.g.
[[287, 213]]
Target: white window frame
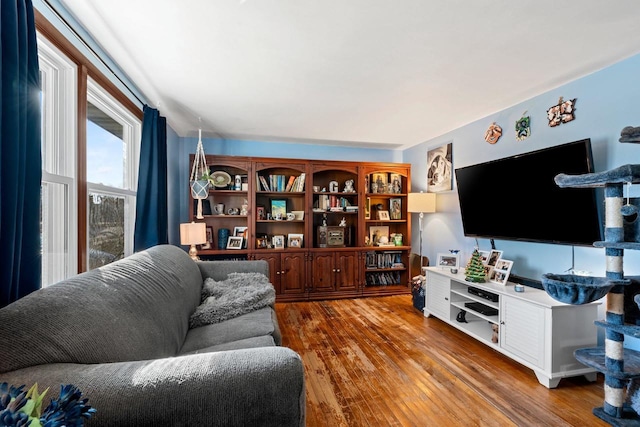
[[59, 141], [132, 134]]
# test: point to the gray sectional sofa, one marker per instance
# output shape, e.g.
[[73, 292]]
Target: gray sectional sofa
[[121, 334]]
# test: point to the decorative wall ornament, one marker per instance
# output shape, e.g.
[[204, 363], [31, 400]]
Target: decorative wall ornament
[[493, 134], [563, 112], [523, 127], [630, 134], [440, 169]]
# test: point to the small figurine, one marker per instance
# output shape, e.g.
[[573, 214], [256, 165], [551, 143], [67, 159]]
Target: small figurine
[[348, 186], [245, 206], [343, 222], [496, 329], [324, 220]]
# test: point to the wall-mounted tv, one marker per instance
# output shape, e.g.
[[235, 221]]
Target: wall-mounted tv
[[516, 198]]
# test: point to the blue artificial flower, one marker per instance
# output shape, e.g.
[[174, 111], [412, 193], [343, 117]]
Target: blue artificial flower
[[12, 399], [18, 408], [69, 410]]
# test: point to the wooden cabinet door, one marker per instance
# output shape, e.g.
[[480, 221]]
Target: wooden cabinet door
[[323, 274], [347, 267], [294, 273], [522, 330], [274, 269], [438, 296]]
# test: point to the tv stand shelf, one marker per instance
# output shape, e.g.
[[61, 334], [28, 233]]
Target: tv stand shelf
[[533, 328]]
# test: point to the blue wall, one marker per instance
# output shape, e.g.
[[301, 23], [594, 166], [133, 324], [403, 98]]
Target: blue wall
[[606, 102]]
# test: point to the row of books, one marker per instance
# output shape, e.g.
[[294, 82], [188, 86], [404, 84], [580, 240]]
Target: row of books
[[280, 183], [334, 203], [386, 259], [383, 278]]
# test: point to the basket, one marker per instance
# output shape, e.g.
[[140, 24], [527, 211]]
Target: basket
[[577, 290]]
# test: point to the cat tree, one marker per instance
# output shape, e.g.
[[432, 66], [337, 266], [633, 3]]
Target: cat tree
[[620, 366]]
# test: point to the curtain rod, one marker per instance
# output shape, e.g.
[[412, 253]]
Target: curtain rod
[[86, 45]]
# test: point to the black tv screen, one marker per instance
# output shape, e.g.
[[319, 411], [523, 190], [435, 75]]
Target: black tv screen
[[516, 198]]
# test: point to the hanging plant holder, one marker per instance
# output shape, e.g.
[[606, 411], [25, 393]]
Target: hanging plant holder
[[199, 179]]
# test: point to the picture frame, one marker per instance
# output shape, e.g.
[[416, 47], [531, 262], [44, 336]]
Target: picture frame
[[376, 232], [395, 208], [295, 240], [298, 215], [494, 256], [278, 208], [448, 260], [239, 231], [440, 169], [367, 208], [501, 271], [484, 255], [235, 242], [260, 212], [379, 182], [383, 215], [396, 182], [209, 242], [277, 241]]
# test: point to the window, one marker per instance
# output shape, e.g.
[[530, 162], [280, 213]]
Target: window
[[58, 197], [87, 213], [113, 139]]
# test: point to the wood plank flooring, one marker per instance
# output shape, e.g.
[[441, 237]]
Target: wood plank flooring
[[380, 362]]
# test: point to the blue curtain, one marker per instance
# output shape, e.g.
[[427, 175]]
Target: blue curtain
[[151, 203], [20, 153]]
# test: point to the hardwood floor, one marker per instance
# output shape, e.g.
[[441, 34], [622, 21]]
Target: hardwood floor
[[380, 362]]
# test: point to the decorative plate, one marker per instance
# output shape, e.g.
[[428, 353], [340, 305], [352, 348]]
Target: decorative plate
[[220, 179]]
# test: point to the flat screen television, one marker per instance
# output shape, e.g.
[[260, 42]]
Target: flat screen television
[[516, 198]]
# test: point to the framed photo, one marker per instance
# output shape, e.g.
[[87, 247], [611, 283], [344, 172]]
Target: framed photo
[[209, 242], [260, 212], [395, 208], [448, 260], [376, 232], [234, 242], [500, 272], [294, 240], [485, 256], [383, 215], [440, 169], [379, 182], [278, 208], [298, 215], [494, 256], [239, 231], [277, 241], [396, 182], [367, 208]]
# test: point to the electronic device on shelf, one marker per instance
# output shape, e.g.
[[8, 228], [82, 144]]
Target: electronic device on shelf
[[481, 308], [483, 294]]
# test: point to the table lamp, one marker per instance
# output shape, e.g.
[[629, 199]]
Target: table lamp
[[421, 203], [193, 233]]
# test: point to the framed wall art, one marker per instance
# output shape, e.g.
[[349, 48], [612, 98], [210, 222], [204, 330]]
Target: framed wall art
[[440, 169]]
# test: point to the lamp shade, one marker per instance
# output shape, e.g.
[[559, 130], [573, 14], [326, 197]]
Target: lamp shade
[[193, 233], [421, 202]]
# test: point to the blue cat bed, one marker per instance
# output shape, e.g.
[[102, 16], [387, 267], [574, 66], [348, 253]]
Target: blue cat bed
[[577, 290]]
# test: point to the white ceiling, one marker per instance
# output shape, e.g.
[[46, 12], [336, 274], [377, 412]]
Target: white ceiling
[[381, 73]]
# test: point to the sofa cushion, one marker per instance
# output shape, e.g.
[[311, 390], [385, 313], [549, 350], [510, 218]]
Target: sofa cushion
[[253, 342], [254, 324], [133, 309]]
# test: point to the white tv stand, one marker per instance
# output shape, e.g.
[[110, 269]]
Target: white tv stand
[[534, 329]]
